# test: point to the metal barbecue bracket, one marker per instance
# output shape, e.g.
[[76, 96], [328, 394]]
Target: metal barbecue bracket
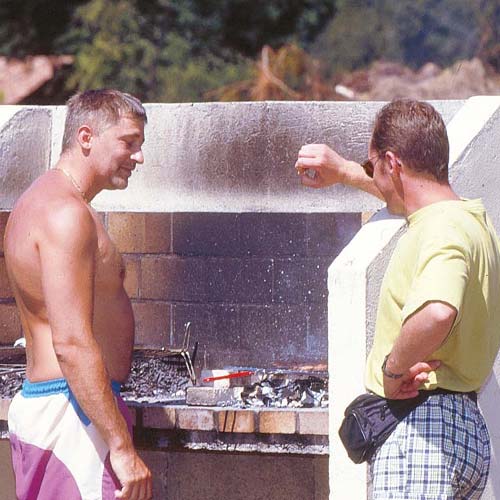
[[184, 352]]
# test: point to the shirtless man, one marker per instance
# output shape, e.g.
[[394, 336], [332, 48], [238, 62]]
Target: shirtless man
[[69, 432]]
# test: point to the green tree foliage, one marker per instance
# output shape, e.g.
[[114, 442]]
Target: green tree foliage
[[117, 45], [30, 27], [178, 50], [158, 49], [409, 31]]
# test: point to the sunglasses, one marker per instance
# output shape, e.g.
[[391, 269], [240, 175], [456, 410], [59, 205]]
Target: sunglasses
[[369, 167]]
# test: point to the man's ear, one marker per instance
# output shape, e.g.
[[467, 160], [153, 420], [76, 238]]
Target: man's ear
[[84, 137], [394, 163]]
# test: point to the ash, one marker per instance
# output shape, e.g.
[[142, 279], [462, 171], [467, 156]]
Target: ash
[[278, 390], [156, 380]]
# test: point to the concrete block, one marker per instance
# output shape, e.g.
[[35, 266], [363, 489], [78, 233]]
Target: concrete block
[[212, 396], [273, 334], [127, 231], [277, 421], [195, 419], [231, 357], [240, 280], [206, 234], [132, 273], [317, 332], [152, 323], [205, 475], [215, 326], [329, 233], [174, 278], [256, 281], [5, 290], [133, 415], [157, 233], [10, 324], [268, 234], [4, 215], [139, 232], [158, 417], [300, 281], [244, 158], [236, 421], [24, 149], [312, 421]]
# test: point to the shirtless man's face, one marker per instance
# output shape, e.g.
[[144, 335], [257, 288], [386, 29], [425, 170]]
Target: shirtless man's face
[[117, 150]]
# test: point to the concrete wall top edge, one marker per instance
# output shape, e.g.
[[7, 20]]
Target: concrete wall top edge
[[238, 156]]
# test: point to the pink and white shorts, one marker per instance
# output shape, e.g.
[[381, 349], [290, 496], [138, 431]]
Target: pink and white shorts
[[57, 453]]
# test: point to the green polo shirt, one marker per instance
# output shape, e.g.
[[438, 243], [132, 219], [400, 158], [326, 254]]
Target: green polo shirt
[[450, 254]]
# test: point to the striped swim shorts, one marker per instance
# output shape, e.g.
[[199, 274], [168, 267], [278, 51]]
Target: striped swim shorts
[[57, 453], [441, 451]]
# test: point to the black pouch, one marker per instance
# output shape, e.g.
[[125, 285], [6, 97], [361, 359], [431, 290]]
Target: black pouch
[[369, 420]]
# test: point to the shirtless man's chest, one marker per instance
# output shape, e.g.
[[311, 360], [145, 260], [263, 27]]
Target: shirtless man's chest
[[26, 238]]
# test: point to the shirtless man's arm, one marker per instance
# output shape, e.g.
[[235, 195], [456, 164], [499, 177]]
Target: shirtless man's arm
[[67, 259]]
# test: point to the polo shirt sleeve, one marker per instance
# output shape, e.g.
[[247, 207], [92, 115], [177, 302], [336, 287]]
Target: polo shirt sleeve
[[441, 272]]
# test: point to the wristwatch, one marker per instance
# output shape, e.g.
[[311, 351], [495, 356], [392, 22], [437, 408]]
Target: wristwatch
[[388, 373]]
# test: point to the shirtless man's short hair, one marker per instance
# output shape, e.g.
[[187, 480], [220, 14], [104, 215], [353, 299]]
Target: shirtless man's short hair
[[68, 426]]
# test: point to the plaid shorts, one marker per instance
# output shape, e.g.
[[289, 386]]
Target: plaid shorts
[[441, 451]]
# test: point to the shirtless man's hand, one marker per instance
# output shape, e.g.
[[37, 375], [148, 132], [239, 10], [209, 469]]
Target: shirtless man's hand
[[134, 476]]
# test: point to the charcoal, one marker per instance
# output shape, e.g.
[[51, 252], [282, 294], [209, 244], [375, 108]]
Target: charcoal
[[11, 383], [278, 390], [160, 379]]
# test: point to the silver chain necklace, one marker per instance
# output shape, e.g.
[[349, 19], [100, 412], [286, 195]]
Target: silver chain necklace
[[71, 178]]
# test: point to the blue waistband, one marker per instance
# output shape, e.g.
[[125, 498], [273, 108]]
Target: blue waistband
[[60, 386], [55, 386]]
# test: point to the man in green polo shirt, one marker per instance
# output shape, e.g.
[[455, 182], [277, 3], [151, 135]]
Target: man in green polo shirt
[[438, 319]]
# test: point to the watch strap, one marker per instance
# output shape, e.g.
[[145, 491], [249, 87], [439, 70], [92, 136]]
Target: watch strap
[[387, 373]]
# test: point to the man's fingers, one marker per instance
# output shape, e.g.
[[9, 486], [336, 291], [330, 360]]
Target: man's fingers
[[423, 366], [131, 491], [307, 181], [311, 150], [311, 162]]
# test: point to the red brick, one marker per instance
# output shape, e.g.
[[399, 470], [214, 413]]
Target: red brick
[[313, 421], [158, 417], [236, 421], [10, 324], [5, 290], [195, 419], [277, 421], [132, 272], [152, 323]]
